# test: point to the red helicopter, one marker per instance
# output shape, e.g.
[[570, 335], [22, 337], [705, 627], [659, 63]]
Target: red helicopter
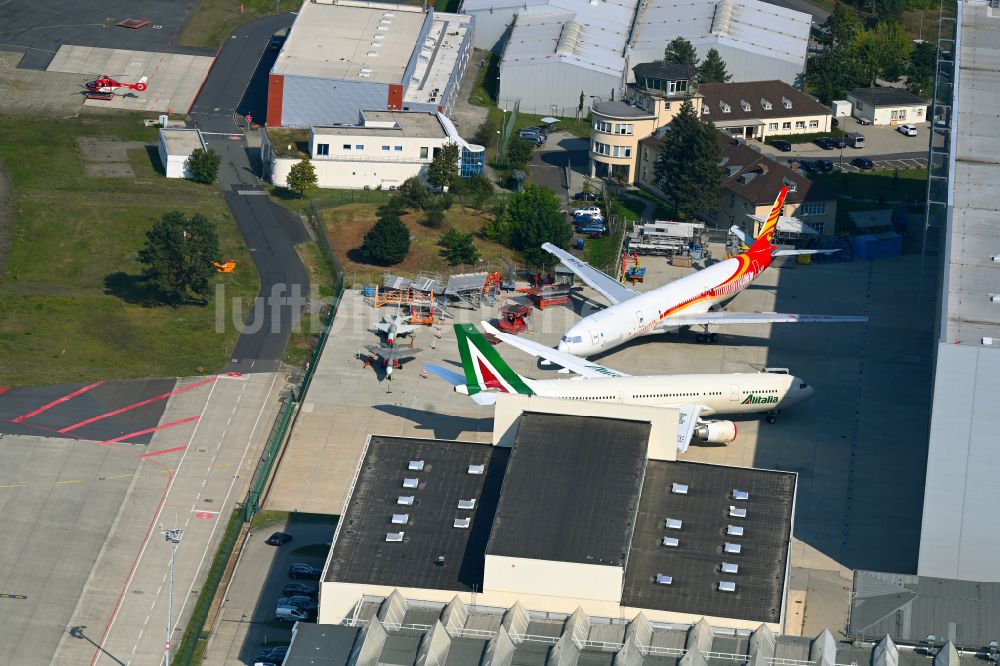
[[104, 85]]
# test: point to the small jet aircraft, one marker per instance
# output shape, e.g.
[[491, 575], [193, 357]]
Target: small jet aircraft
[[694, 396], [395, 326], [689, 301], [392, 357], [104, 84]]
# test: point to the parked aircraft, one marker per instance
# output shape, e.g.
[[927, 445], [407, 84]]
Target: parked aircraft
[[694, 396], [394, 326], [392, 357], [688, 301]]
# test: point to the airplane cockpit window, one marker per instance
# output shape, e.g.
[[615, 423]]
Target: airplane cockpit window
[[571, 339], [803, 385]]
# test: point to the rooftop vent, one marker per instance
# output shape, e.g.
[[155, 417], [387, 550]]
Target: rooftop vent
[[705, 110], [996, 258], [569, 38], [987, 341], [722, 19], [785, 102], [729, 567], [477, 469], [725, 107], [671, 542], [663, 579], [733, 548], [733, 169], [439, 560], [411, 483], [467, 504], [416, 465], [372, 54], [727, 586], [740, 495], [737, 512], [766, 104], [400, 518], [405, 500], [394, 537], [995, 298], [462, 523], [674, 524], [679, 489], [734, 530], [745, 105], [364, 75], [386, 15]]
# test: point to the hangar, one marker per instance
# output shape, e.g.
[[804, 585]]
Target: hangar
[[577, 513], [341, 57]]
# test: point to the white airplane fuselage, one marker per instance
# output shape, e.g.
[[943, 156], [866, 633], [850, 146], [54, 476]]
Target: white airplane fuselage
[[737, 393], [650, 312]]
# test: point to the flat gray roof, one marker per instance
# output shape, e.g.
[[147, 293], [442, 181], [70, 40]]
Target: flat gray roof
[[415, 124], [619, 109], [180, 141], [357, 43]]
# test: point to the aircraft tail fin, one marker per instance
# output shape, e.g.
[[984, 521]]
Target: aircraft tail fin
[[484, 369], [763, 241]]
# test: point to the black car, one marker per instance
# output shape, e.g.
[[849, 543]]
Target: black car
[[834, 122], [586, 196], [278, 539], [839, 141], [863, 163], [300, 570], [824, 142], [807, 166], [275, 654], [782, 145], [293, 589], [825, 166]]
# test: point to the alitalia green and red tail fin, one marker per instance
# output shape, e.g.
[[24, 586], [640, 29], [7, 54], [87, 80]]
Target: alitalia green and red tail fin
[[484, 369]]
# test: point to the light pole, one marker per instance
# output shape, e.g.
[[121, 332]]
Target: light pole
[[173, 537]]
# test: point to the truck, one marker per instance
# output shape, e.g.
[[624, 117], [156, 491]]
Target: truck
[[666, 238]]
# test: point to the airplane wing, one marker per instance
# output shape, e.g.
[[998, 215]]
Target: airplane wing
[[724, 317], [793, 253], [580, 366], [688, 417], [600, 282], [458, 379], [383, 326], [405, 329], [390, 354]]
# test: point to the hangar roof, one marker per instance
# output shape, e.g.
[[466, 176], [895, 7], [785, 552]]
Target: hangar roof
[[695, 563], [571, 490], [361, 552]]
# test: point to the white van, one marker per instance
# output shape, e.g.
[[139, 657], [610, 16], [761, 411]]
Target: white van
[[290, 614]]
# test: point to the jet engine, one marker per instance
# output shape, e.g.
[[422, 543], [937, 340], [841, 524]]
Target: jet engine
[[715, 432]]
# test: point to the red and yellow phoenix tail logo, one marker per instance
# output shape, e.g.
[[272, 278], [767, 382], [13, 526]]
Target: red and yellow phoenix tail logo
[[767, 231]]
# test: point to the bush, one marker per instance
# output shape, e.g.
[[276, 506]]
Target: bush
[[519, 151], [387, 242], [459, 248], [434, 218], [204, 165], [535, 218], [413, 193], [477, 187]]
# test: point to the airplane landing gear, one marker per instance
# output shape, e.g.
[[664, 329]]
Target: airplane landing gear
[[706, 338], [772, 417]]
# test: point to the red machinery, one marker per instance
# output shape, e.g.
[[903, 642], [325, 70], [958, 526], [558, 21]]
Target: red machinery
[[549, 294], [513, 314]]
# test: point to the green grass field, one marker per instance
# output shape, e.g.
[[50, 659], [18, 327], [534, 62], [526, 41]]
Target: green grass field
[[214, 20], [72, 308]]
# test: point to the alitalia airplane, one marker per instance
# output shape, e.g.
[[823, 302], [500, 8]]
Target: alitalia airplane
[[688, 301], [694, 396]]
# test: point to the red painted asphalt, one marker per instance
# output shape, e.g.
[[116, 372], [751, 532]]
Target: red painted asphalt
[[149, 430], [135, 405], [52, 404], [159, 453]]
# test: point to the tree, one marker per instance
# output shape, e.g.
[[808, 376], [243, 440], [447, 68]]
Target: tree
[[681, 52], [498, 228], [580, 105], [920, 69], [886, 10], [179, 255], [688, 167], [387, 242], [476, 186], [301, 177], [841, 27], [535, 218], [434, 217], [412, 193], [713, 69], [519, 151], [203, 165], [459, 248], [883, 51], [443, 171]]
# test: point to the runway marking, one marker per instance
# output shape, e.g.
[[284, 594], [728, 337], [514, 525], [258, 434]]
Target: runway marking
[[160, 453], [4, 389], [149, 430], [65, 398], [136, 405], [72, 481], [15, 485]]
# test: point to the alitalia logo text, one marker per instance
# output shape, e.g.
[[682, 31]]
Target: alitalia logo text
[[759, 400]]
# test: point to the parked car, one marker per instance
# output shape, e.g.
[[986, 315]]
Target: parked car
[[299, 601], [299, 570], [589, 210], [834, 122], [539, 129], [586, 196], [299, 589], [782, 145], [278, 539], [908, 130], [290, 614], [824, 142], [863, 163], [856, 140], [585, 219], [839, 141], [807, 166], [825, 166], [593, 230], [864, 121], [531, 135], [274, 654]]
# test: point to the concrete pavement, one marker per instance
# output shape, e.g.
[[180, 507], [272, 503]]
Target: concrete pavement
[[189, 480]]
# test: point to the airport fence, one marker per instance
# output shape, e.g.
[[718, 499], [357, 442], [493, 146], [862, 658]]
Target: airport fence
[[195, 636]]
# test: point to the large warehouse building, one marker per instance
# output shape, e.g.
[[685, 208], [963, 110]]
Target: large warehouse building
[[578, 513], [342, 57], [959, 538], [552, 50]]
